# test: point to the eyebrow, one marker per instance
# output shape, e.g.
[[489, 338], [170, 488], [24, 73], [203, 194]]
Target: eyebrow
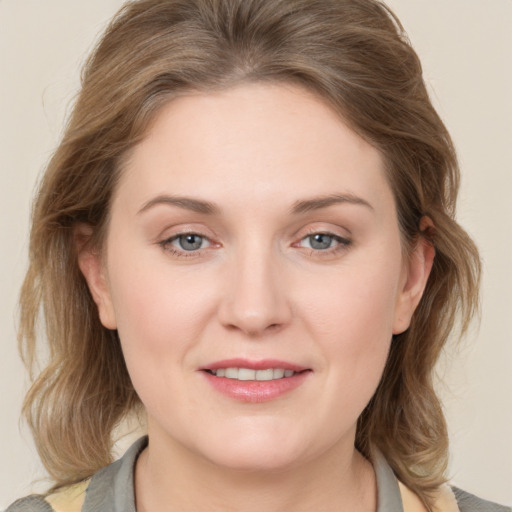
[[299, 207], [317, 203], [187, 203]]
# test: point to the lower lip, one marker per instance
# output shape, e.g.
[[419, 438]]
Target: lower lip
[[255, 391]]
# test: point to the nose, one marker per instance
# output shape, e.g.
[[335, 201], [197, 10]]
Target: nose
[[254, 300]]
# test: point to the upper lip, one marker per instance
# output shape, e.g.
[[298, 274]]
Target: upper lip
[[261, 364]]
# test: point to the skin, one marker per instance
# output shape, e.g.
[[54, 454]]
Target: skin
[[256, 289]]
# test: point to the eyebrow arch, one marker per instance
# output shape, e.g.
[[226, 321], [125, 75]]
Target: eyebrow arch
[[317, 203], [187, 203], [301, 206]]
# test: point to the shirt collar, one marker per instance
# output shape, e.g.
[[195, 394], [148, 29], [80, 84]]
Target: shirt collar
[[111, 488]]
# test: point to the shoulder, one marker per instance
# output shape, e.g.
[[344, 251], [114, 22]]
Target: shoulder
[[449, 499], [469, 503], [68, 499], [30, 504], [108, 489]]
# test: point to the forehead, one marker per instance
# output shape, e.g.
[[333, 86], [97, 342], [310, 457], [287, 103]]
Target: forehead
[[258, 140]]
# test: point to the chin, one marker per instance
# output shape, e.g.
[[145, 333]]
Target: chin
[[255, 451], [254, 460]]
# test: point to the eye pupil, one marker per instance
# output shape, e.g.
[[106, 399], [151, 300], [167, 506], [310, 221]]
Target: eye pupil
[[320, 241], [190, 242]]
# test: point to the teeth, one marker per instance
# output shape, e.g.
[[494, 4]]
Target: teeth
[[232, 373], [248, 374], [265, 374], [278, 373]]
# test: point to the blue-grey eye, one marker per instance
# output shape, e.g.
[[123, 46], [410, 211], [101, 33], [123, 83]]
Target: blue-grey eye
[[320, 241], [190, 242]]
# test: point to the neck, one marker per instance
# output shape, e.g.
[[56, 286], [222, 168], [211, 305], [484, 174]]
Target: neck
[[170, 477]]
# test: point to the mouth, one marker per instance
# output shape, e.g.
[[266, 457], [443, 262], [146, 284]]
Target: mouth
[[248, 374], [255, 381]]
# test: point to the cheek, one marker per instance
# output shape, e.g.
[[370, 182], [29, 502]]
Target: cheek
[[158, 311], [160, 319], [356, 304], [353, 321]]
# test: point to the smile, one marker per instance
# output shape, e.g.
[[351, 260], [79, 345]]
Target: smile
[[249, 381], [246, 374]]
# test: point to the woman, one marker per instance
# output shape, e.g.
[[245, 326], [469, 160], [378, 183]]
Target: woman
[[247, 235]]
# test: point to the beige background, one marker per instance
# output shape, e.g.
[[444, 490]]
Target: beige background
[[466, 49]]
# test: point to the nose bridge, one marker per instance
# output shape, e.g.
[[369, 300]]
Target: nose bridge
[[254, 299]]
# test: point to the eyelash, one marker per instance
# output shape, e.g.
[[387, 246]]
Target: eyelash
[[167, 245], [341, 245]]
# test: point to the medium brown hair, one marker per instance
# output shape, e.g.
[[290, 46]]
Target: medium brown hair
[[354, 55]]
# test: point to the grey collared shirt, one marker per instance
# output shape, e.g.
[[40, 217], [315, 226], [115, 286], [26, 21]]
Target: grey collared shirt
[[111, 490]]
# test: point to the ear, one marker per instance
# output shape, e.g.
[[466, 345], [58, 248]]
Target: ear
[[92, 267], [415, 276]]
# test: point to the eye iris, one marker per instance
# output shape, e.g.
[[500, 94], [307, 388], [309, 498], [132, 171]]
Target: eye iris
[[320, 241], [190, 242]]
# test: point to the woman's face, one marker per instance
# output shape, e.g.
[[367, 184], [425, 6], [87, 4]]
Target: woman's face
[[254, 236]]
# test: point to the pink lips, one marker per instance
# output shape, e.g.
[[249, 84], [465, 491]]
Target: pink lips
[[262, 364], [254, 391]]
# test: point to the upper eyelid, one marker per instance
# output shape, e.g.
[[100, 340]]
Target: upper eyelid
[[342, 244], [331, 231], [301, 237], [326, 233], [188, 230], [339, 239], [337, 232], [184, 233], [174, 237]]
